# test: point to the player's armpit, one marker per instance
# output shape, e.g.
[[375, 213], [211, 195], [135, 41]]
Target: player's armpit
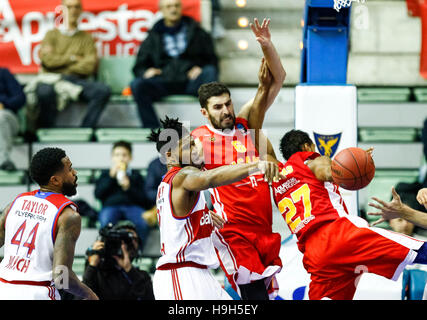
[[321, 167]]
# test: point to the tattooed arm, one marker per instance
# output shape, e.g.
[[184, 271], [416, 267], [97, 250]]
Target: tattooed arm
[[68, 231]]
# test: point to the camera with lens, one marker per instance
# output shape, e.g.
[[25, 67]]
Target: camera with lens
[[113, 239]]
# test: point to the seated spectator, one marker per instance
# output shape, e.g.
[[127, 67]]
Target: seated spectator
[[68, 59], [111, 274], [218, 30], [12, 99], [176, 58], [121, 191], [408, 191], [155, 172]]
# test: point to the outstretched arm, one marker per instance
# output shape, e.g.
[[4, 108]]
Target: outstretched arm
[[397, 209], [193, 179], [263, 36], [271, 75]]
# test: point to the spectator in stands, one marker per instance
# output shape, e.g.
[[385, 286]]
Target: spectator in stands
[[218, 30], [155, 172], [121, 191], [176, 58], [12, 99], [113, 277], [408, 191], [68, 56]]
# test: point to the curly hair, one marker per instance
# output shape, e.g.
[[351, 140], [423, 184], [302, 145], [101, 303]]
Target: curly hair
[[169, 135], [45, 163], [292, 142]]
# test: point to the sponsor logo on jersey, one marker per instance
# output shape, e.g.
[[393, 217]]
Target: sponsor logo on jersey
[[286, 185], [327, 144], [206, 219], [238, 146]]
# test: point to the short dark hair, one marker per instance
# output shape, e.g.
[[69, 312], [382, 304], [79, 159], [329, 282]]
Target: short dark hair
[[211, 89], [124, 144], [45, 163], [292, 142], [162, 138]]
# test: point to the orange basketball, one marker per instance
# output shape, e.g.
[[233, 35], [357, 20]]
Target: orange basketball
[[353, 168]]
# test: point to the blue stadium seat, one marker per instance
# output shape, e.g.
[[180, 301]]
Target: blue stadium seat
[[413, 285]]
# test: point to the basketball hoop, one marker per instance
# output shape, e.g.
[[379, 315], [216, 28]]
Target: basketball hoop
[[338, 4]]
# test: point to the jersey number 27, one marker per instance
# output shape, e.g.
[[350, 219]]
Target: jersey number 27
[[288, 209]]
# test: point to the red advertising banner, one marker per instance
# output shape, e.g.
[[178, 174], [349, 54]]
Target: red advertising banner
[[118, 26]]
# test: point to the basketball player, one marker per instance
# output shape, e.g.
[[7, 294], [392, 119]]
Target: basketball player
[[337, 246], [185, 222], [38, 231], [247, 248]]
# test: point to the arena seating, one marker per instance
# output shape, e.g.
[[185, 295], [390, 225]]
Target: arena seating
[[383, 64]]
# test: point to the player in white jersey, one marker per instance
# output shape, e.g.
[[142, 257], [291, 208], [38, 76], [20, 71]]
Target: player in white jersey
[[38, 231], [185, 222]]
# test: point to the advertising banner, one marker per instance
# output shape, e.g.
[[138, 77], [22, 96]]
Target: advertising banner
[[118, 26]]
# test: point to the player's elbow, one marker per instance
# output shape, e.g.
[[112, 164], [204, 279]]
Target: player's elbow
[[281, 76]]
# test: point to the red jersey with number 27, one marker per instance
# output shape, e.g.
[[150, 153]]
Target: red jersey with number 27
[[305, 202], [244, 202]]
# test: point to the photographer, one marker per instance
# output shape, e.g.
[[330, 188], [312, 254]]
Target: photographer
[[109, 271]]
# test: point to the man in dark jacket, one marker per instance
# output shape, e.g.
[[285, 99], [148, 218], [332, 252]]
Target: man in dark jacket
[[176, 58], [12, 98], [121, 191]]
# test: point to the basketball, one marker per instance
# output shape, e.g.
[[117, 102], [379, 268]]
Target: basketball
[[353, 168]]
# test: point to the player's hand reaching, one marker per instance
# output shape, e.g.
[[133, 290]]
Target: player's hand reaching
[[370, 150], [217, 221], [261, 32], [388, 210], [270, 170], [422, 197]]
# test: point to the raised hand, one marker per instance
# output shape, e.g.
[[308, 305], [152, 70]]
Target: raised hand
[[261, 32]]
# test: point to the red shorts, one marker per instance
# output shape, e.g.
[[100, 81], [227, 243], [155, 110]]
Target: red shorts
[[338, 253], [247, 254]]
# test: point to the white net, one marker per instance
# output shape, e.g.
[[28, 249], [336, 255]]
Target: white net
[[338, 4]]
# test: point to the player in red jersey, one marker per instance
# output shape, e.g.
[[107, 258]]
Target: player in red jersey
[[336, 245], [184, 218], [247, 248]]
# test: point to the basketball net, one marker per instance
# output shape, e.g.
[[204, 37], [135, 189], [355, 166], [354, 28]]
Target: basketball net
[[338, 4]]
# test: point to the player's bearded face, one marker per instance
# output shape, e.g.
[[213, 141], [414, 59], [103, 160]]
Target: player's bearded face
[[69, 178], [69, 188], [220, 112], [225, 121]]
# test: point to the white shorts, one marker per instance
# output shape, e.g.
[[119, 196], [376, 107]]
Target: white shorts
[[187, 283], [10, 291]]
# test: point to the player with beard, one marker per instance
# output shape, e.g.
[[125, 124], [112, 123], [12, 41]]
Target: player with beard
[[185, 222], [247, 248], [39, 231]]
